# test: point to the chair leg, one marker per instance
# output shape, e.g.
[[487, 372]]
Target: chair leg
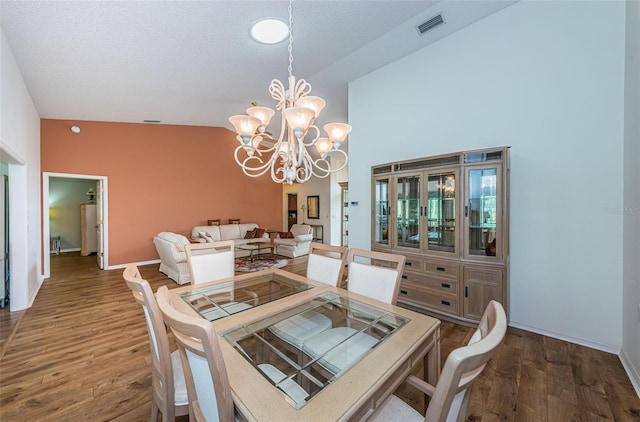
[[154, 411]]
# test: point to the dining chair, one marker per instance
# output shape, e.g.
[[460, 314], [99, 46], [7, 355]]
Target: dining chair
[[373, 274], [169, 393], [206, 375], [210, 261], [450, 396], [325, 265]]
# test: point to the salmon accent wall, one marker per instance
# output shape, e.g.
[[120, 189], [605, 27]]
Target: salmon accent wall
[[160, 178]]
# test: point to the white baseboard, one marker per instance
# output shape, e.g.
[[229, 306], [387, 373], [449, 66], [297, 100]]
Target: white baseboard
[[634, 376], [582, 342], [632, 372], [119, 266]]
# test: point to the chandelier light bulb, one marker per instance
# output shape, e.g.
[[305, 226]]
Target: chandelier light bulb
[[337, 131], [264, 114], [323, 145], [298, 118], [245, 126], [314, 103]]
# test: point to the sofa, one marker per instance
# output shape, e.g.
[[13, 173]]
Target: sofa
[[296, 246], [235, 232], [173, 259]]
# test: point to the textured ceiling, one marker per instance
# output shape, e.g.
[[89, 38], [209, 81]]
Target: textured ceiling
[[194, 63]]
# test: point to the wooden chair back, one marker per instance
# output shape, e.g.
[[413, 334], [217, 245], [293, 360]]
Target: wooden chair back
[[464, 365], [161, 368], [210, 261], [205, 372], [326, 263], [375, 274]]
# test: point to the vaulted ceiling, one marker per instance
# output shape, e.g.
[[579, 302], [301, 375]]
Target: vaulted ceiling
[[194, 63]]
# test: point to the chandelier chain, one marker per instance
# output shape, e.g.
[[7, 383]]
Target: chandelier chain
[[290, 48]]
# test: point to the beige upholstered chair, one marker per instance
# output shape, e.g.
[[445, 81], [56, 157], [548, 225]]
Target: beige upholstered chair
[[173, 261], [326, 265], [299, 245], [379, 278], [169, 393], [206, 375], [450, 396], [210, 261]]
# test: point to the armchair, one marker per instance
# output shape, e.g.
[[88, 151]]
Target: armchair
[[299, 245], [173, 259]]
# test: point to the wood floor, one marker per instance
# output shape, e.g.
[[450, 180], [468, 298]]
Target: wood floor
[[81, 353]]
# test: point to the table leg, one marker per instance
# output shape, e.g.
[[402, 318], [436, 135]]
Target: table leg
[[432, 361]]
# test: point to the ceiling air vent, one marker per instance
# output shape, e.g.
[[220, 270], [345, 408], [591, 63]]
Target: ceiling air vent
[[430, 24]]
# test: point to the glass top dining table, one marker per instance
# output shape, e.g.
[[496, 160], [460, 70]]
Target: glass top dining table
[[403, 340]]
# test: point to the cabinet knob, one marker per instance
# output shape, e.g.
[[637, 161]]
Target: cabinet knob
[[446, 285], [445, 302], [403, 292], [442, 269]]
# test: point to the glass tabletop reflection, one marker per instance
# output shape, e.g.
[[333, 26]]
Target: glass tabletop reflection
[[303, 371], [215, 301]]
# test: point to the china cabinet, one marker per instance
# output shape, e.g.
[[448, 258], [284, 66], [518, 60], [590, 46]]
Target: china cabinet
[[449, 216]]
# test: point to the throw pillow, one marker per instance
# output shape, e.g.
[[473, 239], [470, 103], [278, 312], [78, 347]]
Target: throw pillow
[[286, 235], [206, 236], [213, 222], [234, 221], [260, 232], [251, 234]]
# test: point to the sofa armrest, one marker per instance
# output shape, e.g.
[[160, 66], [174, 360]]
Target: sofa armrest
[[180, 256]]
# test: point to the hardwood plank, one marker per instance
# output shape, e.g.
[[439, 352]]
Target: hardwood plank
[[81, 353]]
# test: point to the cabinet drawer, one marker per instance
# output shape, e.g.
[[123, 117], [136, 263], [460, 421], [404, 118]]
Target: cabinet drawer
[[412, 263], [440, 284], [442, 269], [413, 294]]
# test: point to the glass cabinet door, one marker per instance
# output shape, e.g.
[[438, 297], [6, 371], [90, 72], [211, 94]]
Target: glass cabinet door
[[483, 210], [381, 212], [408, 211], [441, 212]]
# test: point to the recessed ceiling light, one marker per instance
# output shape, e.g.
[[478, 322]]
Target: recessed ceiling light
[[269, 30]]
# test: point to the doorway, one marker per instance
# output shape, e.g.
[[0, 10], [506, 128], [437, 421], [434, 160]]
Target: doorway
[[292, 209], [4, 237], [101, 202]]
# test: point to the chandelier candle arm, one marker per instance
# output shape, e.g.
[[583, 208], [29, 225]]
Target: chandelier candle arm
[[289, 160]]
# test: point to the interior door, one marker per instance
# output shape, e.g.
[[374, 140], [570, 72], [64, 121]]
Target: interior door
[[100, 224]]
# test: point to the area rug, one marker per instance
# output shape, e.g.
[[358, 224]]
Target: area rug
[[259, 263]]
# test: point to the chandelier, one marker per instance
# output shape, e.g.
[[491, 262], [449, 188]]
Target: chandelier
[[287, 157]]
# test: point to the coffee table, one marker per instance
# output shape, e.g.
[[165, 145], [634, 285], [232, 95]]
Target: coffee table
[[254, 247]]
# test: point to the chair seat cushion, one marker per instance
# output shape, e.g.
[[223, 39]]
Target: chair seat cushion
[[298, 328], [179, 383], [394, 409], [344, 346], [289, 386]]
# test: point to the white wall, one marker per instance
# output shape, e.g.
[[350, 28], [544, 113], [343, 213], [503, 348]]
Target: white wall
[[631, 215], [538, 78], [20, 148]]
